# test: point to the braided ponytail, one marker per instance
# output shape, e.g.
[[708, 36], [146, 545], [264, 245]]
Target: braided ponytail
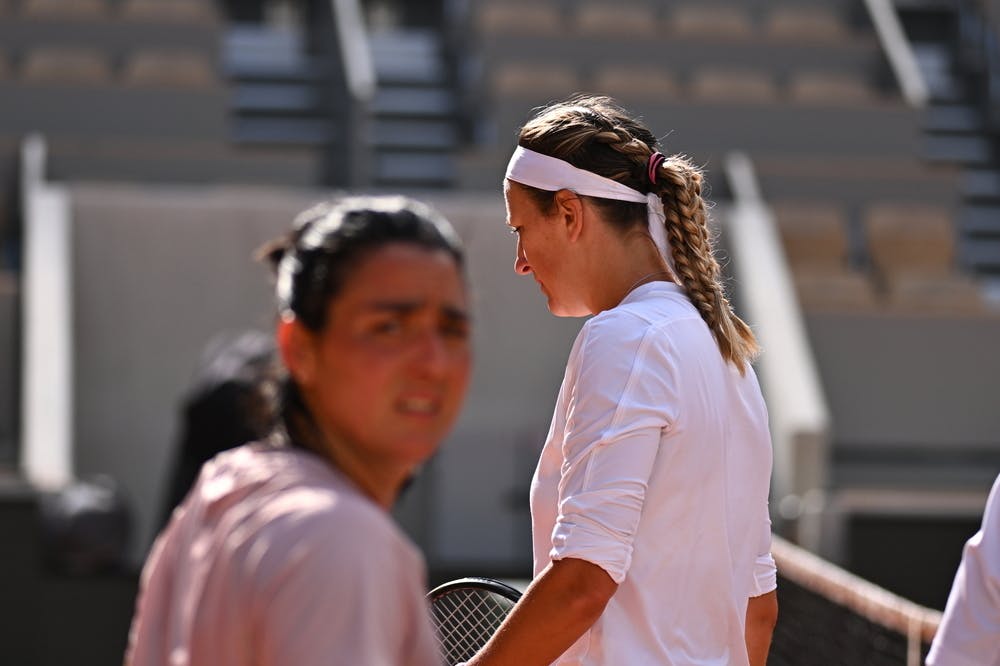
[[595, 134], [679, 182]]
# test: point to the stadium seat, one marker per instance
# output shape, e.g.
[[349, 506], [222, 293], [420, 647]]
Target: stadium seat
[[177, 69], [910, 239], [634, 82], [616, 20], [534, 79], [64, 9], [807, 24], [696, 21], [814, 235], [66, 65], [934, 294], [721, 85], [519, 18], [846, 291], [168, 11], [834, 89]]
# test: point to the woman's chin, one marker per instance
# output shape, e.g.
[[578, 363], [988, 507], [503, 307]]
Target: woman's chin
[[561, 310]]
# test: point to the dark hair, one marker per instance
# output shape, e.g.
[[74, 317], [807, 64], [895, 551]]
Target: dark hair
[[597, 135], [330, 239], [327, 241]]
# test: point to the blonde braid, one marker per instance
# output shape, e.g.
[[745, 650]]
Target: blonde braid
[[621, 140], [691, 247]]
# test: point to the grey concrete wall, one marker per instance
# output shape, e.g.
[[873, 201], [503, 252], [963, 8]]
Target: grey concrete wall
[[896, 380], [159, 271]]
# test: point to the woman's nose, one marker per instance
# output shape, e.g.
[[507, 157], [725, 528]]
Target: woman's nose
[[521, 266]]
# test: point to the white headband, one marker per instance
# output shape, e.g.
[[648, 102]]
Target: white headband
[[552, 174]]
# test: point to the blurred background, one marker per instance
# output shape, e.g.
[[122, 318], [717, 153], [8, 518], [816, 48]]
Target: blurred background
[[147, 147]]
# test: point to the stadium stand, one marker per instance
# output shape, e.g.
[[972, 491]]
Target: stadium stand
[[177, 69], [519, 18], [806, 90], [723, 22], [181, 138], [78, 10], [606, 19], [183, 12], [806, 24], [74, 66], [742, 86]]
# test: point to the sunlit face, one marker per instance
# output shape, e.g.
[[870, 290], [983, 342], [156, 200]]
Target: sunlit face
[[541, 251], [390, 369]]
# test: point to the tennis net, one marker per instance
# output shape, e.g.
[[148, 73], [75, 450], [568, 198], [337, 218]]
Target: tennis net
[[830, 617]]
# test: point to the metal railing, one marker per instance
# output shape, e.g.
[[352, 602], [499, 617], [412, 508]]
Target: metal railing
[[897, 49], [359, 72], [47, 390]]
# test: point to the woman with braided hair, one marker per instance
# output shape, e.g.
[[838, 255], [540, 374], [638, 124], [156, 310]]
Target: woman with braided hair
[[649, 503]]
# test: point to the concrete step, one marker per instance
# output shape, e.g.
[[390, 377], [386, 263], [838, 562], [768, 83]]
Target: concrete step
[[980, 220], [414, 101], [953, 118], [409, 56], [255, 53], [253, 44], [285, 131], [981, 255], [414, 168], [287, 97], [432, 135], [981, 183], [960, 148], [936, 63]]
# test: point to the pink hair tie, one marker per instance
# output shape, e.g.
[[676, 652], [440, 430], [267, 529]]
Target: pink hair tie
[[655, 160]]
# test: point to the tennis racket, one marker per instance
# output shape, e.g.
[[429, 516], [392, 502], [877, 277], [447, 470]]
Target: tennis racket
[[466, 612]]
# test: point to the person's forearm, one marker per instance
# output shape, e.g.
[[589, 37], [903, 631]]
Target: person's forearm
[[557, 608], [762, 615]]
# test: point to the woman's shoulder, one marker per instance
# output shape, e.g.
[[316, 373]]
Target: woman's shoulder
[[271, 490]]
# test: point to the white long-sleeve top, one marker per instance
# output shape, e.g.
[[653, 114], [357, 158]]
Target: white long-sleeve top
[[657, 469], [969, 634]]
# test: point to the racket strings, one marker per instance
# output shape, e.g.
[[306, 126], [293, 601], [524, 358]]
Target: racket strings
[[465, 619]]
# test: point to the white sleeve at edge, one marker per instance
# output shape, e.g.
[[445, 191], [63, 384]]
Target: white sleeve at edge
[[765, 575]]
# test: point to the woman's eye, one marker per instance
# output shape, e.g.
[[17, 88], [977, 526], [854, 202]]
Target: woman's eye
[[514, 230], [390, 327], [456, 330]]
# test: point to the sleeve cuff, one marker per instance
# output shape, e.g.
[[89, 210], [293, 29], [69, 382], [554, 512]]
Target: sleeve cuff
[[610, 554], [765, 575]]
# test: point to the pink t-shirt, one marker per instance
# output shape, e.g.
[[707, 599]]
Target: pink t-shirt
[[276, 559]]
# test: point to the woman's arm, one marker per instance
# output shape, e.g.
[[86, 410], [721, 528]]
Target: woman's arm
[[762, 615], [558, 607]]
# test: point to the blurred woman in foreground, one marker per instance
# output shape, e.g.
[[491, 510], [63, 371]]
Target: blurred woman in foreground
[[284, 551]]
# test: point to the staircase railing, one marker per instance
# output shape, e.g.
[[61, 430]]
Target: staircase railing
[[360, 75], [899, 52]]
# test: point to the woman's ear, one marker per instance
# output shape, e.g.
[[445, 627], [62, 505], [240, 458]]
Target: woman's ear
[[296, 349], [569, 208]]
